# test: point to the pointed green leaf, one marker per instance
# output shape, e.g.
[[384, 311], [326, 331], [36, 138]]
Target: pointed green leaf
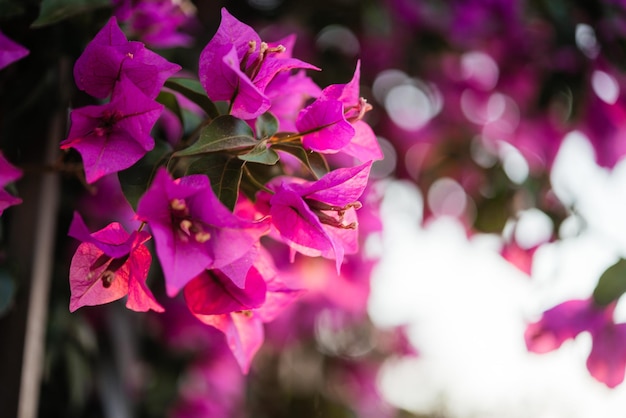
[[53, 11], [612, 284], [261, 154], [136, 179], [266, 125], [224, 171], [313, 161], [225, 133], [193, 90]]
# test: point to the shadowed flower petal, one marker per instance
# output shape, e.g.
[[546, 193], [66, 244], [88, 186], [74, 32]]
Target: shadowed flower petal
[[113, 136], [98, 277], [10, 51]]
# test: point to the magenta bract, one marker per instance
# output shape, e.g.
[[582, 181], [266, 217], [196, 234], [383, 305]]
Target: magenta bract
[[10, 51], [113, 136], [109, 56], [192, 229], [109, 265], [237, 66]]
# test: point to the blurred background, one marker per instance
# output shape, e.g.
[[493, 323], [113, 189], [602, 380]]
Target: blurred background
[[502, 194]]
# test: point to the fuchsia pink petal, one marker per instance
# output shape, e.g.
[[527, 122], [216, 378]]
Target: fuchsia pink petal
[[563, 322], [113, 136], [192, 229], [109, 56], [97, 277], [213, 293], [607, 360], [10, 51], [318, 218], [332, 123], [244, 334], [340, 187], [115, 242], [233, 68], [328, 127], [288, 94], [364, 145]]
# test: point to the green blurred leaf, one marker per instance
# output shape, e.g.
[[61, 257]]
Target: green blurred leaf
[[193, 90], [612, 284], [53, 11], [170, 101], [224, 133], [266, 125], [313, 161], [224, 171], [11, 8], [136, 179], [7, 292], [261, 154]]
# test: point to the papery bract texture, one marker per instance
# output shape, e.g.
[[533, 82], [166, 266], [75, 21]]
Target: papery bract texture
[[99, 276], [192, 229], [213, 293], [109, 56], [237, 66], [113, 136], [318, 218], [333, 122]]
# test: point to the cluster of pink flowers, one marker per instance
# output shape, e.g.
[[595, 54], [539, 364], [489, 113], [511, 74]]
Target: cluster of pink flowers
[[208, 229]]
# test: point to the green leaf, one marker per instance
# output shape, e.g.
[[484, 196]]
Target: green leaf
[[261, 154], [225, 133], [313, 161], [266, 125], [170, 101], [135, 180], [224, 171], [53, 11], [7, 292], [193, 90], [11, 8], [612, 284]]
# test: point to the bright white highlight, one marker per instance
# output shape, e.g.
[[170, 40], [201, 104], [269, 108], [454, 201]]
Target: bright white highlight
[[480, 68], [467, 308], [605, 86]]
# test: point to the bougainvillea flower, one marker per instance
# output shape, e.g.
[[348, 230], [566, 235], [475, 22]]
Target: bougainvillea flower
[[213, 293], [607, 359], [563, 322], [113, 136], [108, 265], [331, 122], [10, 51], [157, 22], [237, 66], [8, 174], [244, 328], [109, 56], [192, 229], [318, 218], [289, 92]]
